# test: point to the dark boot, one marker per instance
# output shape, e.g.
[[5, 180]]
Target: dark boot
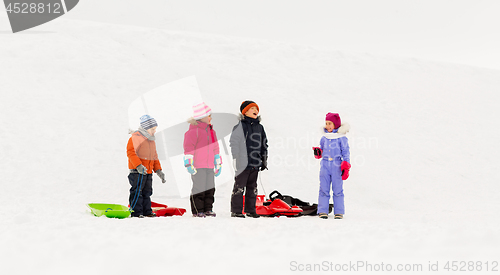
[[237, 215]]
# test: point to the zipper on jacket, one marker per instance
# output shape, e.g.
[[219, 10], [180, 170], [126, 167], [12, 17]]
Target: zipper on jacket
[[208, 146]]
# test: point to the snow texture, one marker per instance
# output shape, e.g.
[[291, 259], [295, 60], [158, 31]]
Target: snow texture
[[424, 149]]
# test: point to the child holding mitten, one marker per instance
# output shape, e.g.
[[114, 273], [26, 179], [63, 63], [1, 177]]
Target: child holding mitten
[[335, 164], [142, 162]]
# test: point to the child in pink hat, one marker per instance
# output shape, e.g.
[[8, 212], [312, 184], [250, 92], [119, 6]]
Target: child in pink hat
[[202, 160], [335, 164]]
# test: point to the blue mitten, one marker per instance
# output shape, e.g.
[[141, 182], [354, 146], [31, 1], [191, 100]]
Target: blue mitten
[[188, 163], [218, 165]]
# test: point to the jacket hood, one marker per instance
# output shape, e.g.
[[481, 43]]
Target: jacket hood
[[193, 123]]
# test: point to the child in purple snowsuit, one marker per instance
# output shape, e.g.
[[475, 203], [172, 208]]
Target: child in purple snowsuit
[[335, 165]]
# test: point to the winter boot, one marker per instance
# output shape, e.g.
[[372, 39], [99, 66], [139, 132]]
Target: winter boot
[[323, 215], [237, 215], [253, 215], [210, 214], [199, 215]]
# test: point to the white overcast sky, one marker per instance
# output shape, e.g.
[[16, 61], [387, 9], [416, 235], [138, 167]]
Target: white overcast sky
[[458, 31]]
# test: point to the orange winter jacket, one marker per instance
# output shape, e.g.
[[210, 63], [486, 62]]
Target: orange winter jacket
[[140, 150]]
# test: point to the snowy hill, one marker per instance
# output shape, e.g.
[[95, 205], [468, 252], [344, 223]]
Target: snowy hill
[[423, 145]]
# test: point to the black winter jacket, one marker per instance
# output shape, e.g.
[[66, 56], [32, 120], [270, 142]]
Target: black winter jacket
[[248, 143]]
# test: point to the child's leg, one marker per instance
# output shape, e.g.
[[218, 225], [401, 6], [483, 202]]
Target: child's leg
[[240, 182], [210, 190], [325, 180], [198, 191], [147, 191], [338, 193], [134, 180], [251, 191]]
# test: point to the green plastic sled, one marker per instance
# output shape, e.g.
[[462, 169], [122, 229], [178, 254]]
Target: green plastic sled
[[109, 210]]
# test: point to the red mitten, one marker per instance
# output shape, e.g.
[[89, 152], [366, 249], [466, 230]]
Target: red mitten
[[345, 167], [318, 153]]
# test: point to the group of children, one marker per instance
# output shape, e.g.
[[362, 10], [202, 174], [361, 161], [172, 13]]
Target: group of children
[[248, 144]]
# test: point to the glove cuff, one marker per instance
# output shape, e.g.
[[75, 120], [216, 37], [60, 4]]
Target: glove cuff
[[188, 160]]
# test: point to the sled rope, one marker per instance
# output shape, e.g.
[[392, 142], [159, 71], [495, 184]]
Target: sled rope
[[137, 194], [260, 179]]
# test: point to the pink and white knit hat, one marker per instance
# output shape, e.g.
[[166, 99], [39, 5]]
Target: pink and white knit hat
[[201, 110]]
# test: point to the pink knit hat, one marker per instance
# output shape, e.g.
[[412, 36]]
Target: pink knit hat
[[335, 118], [201, 110]]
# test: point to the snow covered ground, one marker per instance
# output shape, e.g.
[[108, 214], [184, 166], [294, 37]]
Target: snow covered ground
[[424, 148]]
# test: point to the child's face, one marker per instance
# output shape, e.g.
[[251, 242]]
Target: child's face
[[329, 126], [152, 131], [252, 112], [207, 120]]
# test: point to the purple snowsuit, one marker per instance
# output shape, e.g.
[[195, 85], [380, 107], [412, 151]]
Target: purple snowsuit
[[335, 150]]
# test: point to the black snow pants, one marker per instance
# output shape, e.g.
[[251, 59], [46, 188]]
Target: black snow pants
[[140, 197], [246, 180], [203, 191]]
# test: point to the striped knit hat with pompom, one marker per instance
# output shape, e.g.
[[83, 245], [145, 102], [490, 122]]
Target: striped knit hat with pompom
[[201, 110]]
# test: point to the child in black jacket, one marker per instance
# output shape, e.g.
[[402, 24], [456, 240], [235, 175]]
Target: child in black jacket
[[248, 144]]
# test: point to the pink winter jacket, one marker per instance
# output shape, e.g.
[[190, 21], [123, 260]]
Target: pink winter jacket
[[201, 142]]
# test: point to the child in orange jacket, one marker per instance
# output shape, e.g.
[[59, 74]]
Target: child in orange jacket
[[142, 162]]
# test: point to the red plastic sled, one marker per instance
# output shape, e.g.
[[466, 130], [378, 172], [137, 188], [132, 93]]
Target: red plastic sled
[[161, 210], [274, 208]]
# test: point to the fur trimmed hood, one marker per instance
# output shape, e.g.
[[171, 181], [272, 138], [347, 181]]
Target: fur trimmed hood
[[192, 121]]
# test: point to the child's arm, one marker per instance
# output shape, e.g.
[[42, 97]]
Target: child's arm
[[216, 144], [322, 143], [132, 156], [189, 148], [346, 158], [235, 140], [344, 149], [189, 143], [318, 151], [263, 148], [157, 165]]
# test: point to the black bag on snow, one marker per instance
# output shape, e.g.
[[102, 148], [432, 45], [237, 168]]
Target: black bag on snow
[[308, 209]]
